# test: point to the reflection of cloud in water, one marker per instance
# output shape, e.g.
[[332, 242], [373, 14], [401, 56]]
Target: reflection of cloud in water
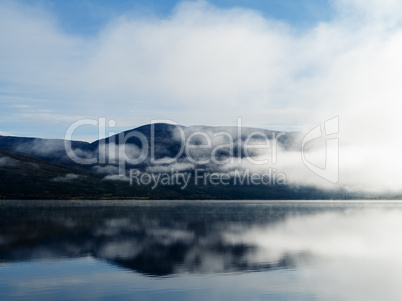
[[207, 239], [345, 252], [120, 249], [357, 235], [369, 234]]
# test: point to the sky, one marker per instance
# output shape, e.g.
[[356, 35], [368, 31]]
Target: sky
[[88, 17], [280, 65], [130, 61], [283, 65]]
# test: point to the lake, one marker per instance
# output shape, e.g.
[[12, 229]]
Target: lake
[[200, 250]]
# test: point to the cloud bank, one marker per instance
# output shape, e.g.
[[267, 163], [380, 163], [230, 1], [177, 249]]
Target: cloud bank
[[199, 63], [206, 65]]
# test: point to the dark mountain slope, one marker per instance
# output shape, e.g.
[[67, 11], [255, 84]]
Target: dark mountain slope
[[162, 140]]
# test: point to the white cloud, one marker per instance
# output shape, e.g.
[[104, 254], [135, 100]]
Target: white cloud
[[205, 65], [176, 167], [8, 162], [67, 178], [116, 178], [5, 134]]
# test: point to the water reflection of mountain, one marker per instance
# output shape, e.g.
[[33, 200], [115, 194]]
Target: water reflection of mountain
[[156, 240]]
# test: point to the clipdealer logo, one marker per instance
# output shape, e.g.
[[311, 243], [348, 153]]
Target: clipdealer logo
[[329, 132]]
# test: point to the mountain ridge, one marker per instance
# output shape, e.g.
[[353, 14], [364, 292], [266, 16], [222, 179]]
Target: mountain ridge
[[36, 168]]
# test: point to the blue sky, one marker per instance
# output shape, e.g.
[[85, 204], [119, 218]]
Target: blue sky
[[277, 64], [86, 20], [87, 17]]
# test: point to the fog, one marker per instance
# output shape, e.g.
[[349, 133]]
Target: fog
[[67, 178], [207, 65], [8, 162]]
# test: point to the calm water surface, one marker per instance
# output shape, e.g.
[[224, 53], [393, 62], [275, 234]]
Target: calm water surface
[[187, 250]]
